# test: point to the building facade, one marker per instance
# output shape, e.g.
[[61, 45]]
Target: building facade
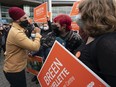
[[27, 5], [58, 6]]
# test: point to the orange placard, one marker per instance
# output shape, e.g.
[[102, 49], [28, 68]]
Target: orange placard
[[74, 25], [75, 9], [40, 12], [44, 19], [41, 20], [62, 69]]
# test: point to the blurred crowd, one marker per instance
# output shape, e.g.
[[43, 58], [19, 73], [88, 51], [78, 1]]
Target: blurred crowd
[[4, 29]]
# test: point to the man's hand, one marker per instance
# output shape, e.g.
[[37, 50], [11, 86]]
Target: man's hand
[[37, 30], [48, 19]]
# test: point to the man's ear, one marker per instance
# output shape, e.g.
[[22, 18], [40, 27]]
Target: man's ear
[[17, 21]]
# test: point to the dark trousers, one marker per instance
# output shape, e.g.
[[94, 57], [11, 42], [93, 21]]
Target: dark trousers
[[16, 79]]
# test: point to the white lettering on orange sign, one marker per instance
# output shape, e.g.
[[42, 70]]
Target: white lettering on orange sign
[[39, 11], [63, 74], [91, 84], [52, 71]]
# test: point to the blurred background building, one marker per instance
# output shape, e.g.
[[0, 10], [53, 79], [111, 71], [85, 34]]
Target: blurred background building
[[58, 6]]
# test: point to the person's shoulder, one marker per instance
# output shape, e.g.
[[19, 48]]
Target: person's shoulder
[[107, 40], [108, 37], [15, 31]]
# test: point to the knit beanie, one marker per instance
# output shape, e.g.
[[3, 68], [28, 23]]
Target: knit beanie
[[16, 13]]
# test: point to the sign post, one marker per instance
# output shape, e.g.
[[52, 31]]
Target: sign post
[[50, 8]]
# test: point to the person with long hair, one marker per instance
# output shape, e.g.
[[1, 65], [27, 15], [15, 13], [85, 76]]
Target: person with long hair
[[99, 23]]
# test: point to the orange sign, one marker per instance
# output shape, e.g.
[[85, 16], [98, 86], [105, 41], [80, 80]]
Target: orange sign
[[44, 19], [75, 9], [62, 69], [40, 12], [74, 25]]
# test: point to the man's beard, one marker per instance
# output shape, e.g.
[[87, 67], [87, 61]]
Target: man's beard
[[24, 24]]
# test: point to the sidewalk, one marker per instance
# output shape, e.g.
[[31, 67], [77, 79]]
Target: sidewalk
[[3, 81]]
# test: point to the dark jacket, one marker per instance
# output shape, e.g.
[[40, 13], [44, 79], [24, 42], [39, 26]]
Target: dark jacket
[[100, 56], [72, 39]]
